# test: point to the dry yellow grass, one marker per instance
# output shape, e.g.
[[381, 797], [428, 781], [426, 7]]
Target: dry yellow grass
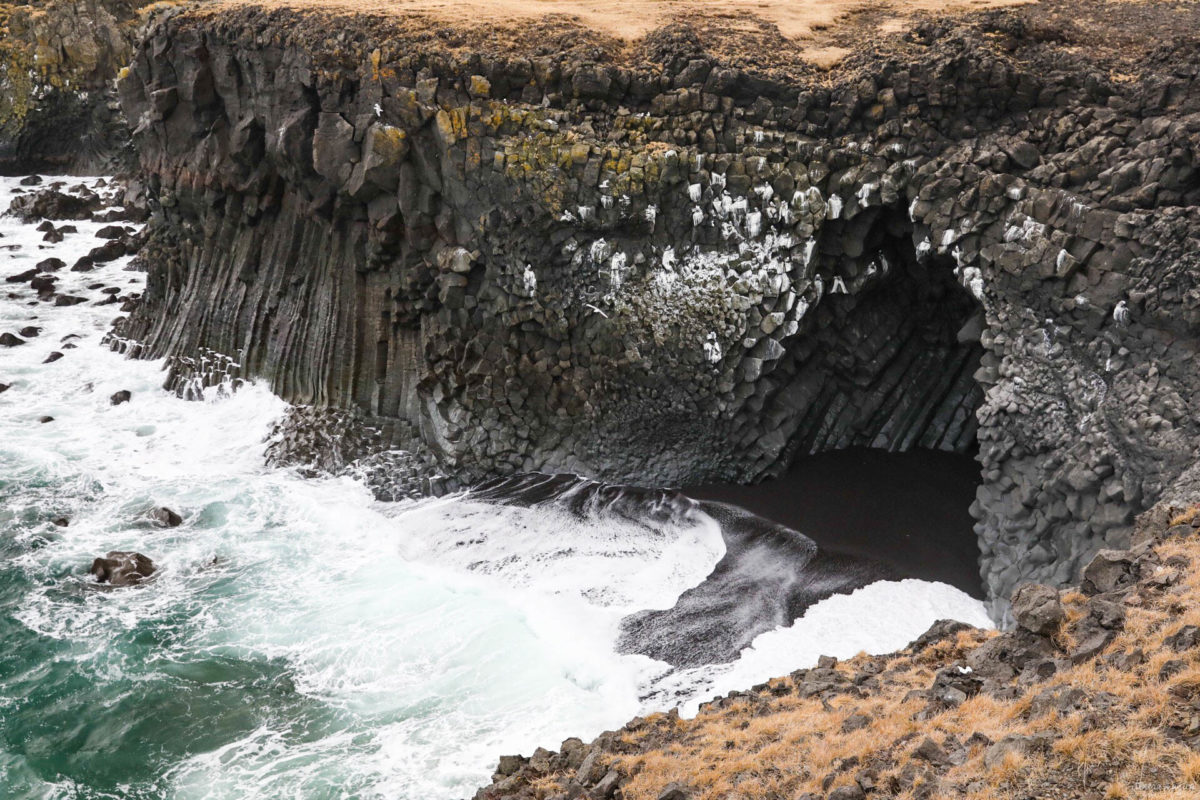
[[633, 19], [1124, 741]]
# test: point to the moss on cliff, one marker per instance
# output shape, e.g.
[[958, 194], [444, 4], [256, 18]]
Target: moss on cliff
[[56, 60]]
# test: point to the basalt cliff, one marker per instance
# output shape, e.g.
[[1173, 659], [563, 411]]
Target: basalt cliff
[[673, 261], [59, 61]]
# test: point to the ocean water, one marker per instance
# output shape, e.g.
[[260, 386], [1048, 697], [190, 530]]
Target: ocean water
[[301, 640]]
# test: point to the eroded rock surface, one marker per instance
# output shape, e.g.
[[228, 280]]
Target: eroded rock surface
[[58, 62], [651, 265]]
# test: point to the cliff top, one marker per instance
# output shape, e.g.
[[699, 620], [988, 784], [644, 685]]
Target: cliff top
[[790, 36], [633, 19]]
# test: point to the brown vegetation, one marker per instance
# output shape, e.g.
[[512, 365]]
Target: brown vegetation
[[1107, 705], [821, 32]]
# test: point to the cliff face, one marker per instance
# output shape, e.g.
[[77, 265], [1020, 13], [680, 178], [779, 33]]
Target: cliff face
[[58, 63], [656, 266]]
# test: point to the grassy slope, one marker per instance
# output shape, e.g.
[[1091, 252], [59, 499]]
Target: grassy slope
[[1119, 723]]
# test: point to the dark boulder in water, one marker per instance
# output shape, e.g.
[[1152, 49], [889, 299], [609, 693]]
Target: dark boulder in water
[[45, 419], [30, 331], [61, 522], [43, 284], [8, 340], [109, 251], [84, 264], [21, 277], [69, 300], [164, 516], [53, 237], [122, 568], [4, 387], [122, 396], [55, 356], [50, 265], [31, 180], [53, 204], [111, 232]]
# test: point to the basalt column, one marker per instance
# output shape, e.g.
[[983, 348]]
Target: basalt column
[[653, 266]]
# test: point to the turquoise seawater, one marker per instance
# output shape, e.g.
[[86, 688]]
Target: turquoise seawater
[[299, 639]]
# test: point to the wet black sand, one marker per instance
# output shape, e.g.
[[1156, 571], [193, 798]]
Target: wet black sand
[[908, 511]]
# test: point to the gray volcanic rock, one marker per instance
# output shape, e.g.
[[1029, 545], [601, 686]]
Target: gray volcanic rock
[[121, 568], [56, 101], [670, 270], [53, 204], [1037, 608], [164, 517]]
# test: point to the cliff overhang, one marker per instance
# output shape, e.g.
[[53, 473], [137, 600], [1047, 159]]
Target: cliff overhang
[[659, 264]]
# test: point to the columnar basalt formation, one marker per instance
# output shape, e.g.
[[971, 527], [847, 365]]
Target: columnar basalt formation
[[59, 60], [657, 266]]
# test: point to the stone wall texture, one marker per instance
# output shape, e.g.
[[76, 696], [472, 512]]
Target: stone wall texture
[[661, 268], [59, 60]]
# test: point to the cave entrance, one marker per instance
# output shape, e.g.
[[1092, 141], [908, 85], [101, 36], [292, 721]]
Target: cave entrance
[[890, 362], [879, 396]]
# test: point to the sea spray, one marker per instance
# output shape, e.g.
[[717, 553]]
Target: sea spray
[[301, 639]]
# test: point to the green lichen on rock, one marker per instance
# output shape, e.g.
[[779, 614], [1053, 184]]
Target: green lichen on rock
[[57, 59]]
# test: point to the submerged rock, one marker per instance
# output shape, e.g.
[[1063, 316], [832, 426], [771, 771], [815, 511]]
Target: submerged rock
[[122, 396], [122, 568]]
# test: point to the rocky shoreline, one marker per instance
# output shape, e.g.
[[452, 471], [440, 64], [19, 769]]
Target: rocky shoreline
[[467, 254], [653, 266], [1092, 695]]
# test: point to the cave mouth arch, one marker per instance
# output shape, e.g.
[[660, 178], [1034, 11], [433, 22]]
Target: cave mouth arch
[[880, 396], [889, 364]]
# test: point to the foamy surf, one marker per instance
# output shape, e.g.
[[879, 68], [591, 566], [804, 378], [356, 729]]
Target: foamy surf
[[301, 639]]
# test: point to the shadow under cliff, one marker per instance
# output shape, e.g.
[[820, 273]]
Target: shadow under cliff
[[866, 516], [908, 510]]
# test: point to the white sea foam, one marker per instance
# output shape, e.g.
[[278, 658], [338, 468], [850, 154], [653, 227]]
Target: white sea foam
[[878, 618], [430, 636]]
